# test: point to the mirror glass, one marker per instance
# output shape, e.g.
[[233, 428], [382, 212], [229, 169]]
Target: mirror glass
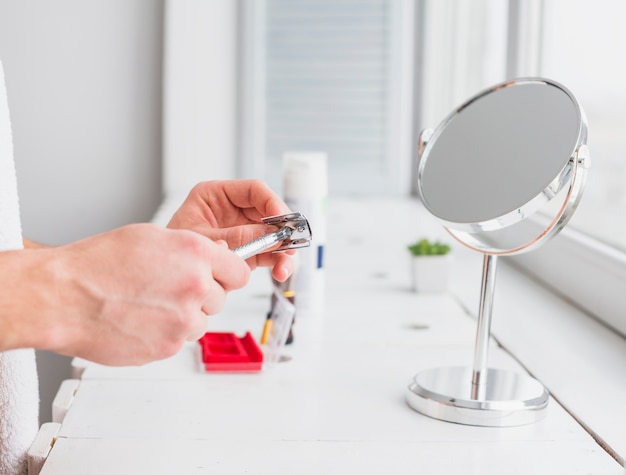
[[502, 156]]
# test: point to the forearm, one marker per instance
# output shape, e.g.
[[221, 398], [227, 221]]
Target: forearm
[[28, 293]]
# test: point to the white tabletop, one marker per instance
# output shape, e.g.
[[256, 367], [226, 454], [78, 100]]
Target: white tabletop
[[337, 405]]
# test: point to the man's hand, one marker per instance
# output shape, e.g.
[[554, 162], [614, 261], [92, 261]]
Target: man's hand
[[128, 296], [232, 211], [137, 293]]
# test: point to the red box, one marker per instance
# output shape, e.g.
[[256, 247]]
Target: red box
[[223, 351]]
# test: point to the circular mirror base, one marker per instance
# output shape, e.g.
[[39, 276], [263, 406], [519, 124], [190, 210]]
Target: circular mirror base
[[505, 399]]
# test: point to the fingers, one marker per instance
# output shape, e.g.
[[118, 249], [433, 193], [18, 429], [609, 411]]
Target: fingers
[[283, 268], [230, 200], [253, 194], [201, 326], [281, 263], [214, 298], [235, 236], [229, 210], [227, 269]]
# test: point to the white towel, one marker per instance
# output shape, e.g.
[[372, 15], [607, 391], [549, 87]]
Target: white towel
[[19, 388]]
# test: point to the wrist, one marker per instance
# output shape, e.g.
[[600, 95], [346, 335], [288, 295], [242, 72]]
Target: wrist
[[20, 298], [34, 300]]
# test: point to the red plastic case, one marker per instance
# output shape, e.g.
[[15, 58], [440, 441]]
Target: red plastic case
[[223, 351]]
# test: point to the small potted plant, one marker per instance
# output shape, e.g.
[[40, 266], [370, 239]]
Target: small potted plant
[[430, 265]]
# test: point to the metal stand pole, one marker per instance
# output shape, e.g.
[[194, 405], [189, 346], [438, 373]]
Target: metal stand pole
[[483, 330]]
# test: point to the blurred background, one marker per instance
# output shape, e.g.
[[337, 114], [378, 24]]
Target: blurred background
[[116, 104]]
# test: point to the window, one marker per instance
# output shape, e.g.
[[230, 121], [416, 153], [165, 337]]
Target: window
[[334, 76], [431, 53], [581, 49], [573, 42], [586, 263]]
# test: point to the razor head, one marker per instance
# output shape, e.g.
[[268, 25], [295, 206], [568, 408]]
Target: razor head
[[300, 235]]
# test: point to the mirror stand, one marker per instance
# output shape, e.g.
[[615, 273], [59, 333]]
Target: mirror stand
[[504, 155], [479, 395]]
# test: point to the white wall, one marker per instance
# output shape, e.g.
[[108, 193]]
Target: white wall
[[84, 85]]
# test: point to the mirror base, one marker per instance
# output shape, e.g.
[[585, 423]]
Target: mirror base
[[507, 398]]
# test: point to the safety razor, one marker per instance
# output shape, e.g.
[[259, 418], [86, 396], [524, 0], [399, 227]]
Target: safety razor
[[293, 232]]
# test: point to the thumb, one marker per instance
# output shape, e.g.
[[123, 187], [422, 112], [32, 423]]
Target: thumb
[[221, 243]]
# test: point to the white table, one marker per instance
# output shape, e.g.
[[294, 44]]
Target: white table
[[336, 407]]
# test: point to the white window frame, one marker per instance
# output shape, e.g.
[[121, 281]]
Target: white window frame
[[199, 119], [252, 33], [584, 271]]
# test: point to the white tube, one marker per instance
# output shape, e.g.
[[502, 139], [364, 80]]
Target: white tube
[[305, 189]]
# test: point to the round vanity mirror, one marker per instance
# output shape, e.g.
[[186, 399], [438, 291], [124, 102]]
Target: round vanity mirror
[[503, 173], [512, 150]]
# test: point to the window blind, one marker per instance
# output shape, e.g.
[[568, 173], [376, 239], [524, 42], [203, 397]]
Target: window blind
[[328, 87]]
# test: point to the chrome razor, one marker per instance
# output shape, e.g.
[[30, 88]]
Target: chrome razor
[[293, 232]]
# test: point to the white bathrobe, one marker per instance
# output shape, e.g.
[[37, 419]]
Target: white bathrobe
[[19, 391]]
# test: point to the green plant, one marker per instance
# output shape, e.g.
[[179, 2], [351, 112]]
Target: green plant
[[424, 247]]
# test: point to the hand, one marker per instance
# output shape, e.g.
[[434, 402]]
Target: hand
[[131, 295], [232, 211]]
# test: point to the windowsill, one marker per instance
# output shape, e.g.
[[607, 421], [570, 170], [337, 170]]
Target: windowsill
[[573, 355], [349, 369]]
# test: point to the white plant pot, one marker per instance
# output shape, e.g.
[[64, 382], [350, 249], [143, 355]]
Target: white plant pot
[[431, 274]]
